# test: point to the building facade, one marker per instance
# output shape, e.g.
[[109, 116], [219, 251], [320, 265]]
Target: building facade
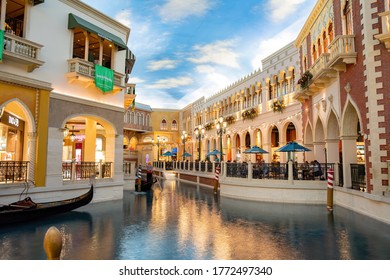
[[62, 95], [345, 99]]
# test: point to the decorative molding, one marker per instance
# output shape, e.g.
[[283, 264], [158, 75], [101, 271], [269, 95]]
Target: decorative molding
[[24, 81], [73, 99]]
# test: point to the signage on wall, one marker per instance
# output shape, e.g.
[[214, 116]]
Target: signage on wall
[[12, 121]]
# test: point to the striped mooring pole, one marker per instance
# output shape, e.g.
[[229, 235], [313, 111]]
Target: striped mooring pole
[[139, 178], [330, 190], [216, 183]]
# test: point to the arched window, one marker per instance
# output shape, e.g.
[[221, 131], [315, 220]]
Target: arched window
[[163, 125], [347, 12], [147, 120], [319, 47], [325, 40], [292, 80], [270, 93], [142, 120], [330, 32], [132, 114], [285, 84], [174, 125], [127, 117], [314, 53]]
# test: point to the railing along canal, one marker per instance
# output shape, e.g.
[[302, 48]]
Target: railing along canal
[[273, 171], [13, 171], [85, 170]]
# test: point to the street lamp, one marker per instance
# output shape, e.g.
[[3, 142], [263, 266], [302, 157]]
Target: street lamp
[[221, 129], [199, 133], [158, 146], [184, 139]]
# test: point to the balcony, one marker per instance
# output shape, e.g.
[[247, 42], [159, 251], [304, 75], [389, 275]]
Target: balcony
[[22, 51], [325, 68], [342, 52], [84, 71], [137, 127], [384, 37]]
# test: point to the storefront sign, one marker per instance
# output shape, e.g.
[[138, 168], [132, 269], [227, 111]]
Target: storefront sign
[[104, 78], [12, 121], [1, 44]]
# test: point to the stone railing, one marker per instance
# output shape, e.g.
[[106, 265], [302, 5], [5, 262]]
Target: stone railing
[[80, 66], [22, 50], [343, 48]]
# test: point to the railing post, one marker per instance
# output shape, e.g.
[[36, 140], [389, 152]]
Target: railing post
[[290, 172], [336, 174], [100, 169], [73, 171], [250, 171], [213, 169], [164, 165]]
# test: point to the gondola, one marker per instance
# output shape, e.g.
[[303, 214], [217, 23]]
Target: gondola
[[146, 185], [26, 210]]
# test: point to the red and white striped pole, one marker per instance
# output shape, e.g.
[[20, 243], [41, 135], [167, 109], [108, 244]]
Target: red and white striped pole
[[330, 189], [216, 182]]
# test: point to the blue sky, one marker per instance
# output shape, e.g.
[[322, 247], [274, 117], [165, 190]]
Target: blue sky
[[187, 49]]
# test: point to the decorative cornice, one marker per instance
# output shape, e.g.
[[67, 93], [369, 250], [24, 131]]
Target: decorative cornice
[[73, 99], [305, 31], [24, 81]]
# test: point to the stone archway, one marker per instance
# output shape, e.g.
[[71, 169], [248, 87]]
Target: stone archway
[[349, 134], [308, 142], [17, 114], [333, 144]]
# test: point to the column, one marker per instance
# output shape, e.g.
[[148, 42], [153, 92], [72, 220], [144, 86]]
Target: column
[[349, 156], [90, 140], [31, 154], [2, 16], [332, 147], [86, 46]]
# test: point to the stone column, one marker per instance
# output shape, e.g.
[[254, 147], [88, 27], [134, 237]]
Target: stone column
[[31, 154], [2, 16], [349, 156], [90, 140], [332, 148]]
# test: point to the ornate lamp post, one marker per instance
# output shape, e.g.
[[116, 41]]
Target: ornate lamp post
[[221, 129], [158, 146], [184, 139], [199, 133]]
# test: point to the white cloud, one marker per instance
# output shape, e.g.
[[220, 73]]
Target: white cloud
[[280, 9], [172, 83], [176, 10], [162, 64], [161, 99], [267, 46], [219, 52], [136, 80], [124, 17]]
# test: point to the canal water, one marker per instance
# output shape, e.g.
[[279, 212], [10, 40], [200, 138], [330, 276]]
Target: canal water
[[184, 222]]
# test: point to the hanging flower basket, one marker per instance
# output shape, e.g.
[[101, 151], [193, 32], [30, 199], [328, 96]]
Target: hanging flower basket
[[229, 119], [249, 114], [208, 126], [304, 81], [278, 105]]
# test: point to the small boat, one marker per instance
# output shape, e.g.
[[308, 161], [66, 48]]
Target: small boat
[[145, 185], [26, 210]]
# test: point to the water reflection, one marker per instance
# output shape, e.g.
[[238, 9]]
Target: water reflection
[[181, 221]]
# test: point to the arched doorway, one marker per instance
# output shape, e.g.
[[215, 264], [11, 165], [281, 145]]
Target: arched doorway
[[18, 151], [88, 148], [275, 143]]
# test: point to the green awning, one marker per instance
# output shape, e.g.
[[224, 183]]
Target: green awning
[[75, 21]]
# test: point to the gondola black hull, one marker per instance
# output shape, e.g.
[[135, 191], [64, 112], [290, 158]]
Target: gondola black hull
[[14, 213], [145, 185]]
